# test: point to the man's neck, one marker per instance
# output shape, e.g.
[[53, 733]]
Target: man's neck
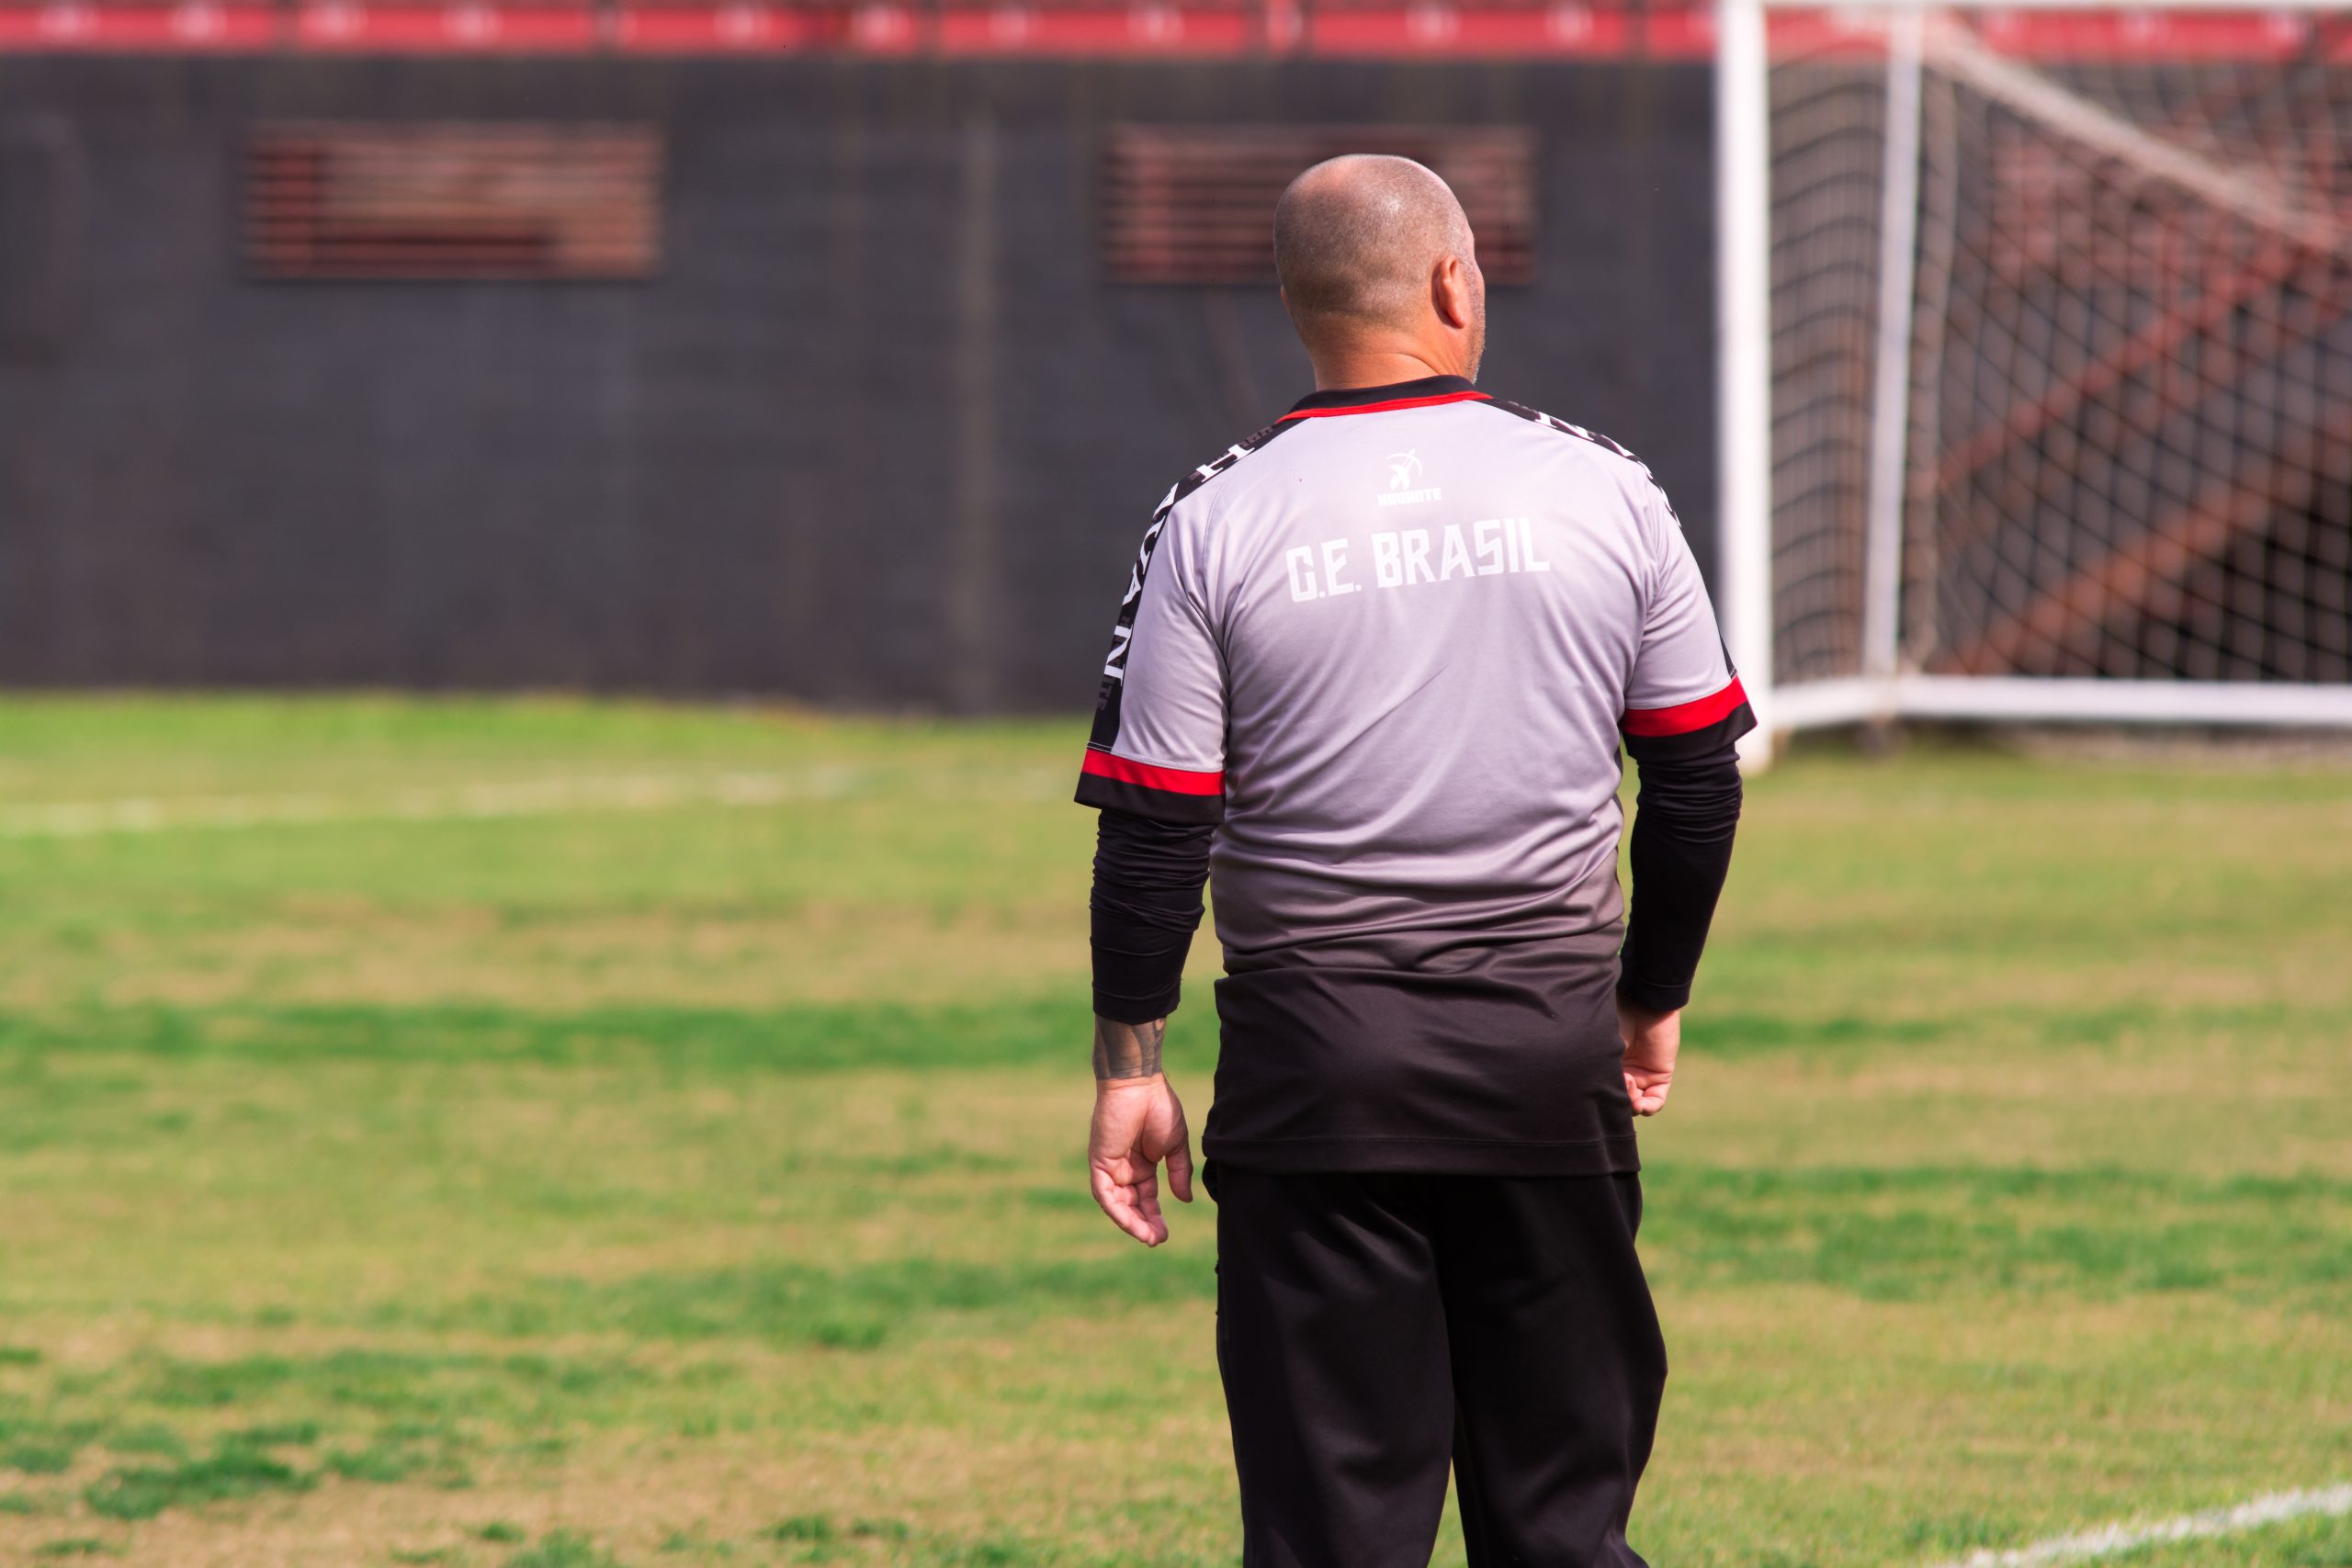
[[1374, 367]]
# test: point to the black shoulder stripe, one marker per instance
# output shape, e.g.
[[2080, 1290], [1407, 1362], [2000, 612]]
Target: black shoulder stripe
[[1553, 421], [1114, 668]]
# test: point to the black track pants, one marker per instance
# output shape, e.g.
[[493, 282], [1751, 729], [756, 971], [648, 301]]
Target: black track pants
[[1374, 1329]]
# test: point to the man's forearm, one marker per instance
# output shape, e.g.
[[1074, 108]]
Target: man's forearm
[[1685, 819], [1147, 901], [1126, 1049]]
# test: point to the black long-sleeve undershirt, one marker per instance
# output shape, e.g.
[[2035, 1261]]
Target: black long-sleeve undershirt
[[1149, 876], [1147, 904], [1685, 815]]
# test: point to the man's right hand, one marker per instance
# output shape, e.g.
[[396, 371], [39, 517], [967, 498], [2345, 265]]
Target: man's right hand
[[1651, 1041], [1138, 1123]]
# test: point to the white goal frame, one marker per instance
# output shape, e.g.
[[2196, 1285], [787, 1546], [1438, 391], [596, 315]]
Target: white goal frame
[[1884, 691]]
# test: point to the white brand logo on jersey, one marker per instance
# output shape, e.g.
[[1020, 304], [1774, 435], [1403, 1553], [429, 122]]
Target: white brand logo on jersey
[[1404, 469]]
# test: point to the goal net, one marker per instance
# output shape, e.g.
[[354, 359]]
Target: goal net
[[2051, 416]]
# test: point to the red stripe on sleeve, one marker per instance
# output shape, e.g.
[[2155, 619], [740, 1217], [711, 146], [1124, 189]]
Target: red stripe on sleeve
[[1176, 780], [1684, 718]]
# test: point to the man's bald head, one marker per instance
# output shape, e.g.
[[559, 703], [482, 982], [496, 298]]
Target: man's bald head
[[1357, 241]]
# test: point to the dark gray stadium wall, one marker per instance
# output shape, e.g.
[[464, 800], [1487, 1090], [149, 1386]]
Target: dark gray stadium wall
[[880, 434]]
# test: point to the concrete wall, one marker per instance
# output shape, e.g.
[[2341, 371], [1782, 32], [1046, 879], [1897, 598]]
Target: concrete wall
[[879, 435]]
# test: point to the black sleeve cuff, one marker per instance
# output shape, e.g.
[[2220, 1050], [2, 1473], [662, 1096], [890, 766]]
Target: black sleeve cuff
[[1649, 995], [1136, 1009]]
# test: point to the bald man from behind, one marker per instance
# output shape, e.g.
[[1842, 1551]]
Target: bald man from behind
[[1373, 669]]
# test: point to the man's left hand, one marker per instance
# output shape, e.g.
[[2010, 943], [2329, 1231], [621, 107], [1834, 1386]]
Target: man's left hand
[[1652, 1041]]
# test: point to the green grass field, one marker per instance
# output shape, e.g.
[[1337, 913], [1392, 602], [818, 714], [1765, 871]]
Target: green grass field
[[545, 1135]]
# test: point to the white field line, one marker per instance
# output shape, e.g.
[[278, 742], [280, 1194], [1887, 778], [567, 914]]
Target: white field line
[[2107, 1540], [524, 797]]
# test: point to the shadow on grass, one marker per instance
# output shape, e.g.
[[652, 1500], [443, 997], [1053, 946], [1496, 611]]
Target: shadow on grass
[[869, 1035], [710, 1040], [793, 1304]]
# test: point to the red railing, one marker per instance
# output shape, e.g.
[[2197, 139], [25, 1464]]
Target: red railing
[[1329, 29]]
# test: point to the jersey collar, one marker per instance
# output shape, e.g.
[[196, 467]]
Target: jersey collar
[[1419, 394]]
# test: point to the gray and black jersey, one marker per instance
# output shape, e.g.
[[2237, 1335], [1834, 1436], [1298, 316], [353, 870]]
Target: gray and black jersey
[[1389, 647]]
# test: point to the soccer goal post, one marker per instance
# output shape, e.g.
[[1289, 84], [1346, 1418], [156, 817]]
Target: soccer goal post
[[2036, 361]]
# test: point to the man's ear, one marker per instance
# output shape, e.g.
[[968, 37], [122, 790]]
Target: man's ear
[[1450, 293]]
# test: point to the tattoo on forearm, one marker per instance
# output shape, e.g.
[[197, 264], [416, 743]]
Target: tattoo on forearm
[[1127, 1050]]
